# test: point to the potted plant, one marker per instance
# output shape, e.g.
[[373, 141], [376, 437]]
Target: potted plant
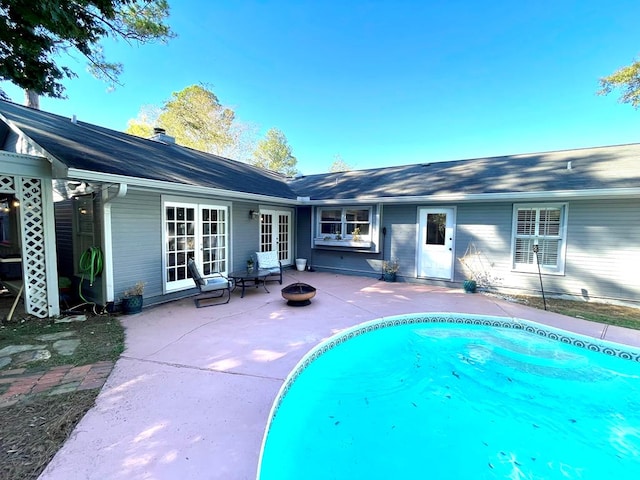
[[389, 270], [132, 299], [250, 265], [478, 270], [469, 286]]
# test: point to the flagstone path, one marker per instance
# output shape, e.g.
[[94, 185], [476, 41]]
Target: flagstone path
[[17, 384]]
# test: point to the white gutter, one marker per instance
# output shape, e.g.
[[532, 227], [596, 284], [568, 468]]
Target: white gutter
[[143, 183], [162, 185], [605, 193]]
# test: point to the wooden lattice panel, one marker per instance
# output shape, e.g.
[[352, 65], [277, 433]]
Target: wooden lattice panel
[[33, 247], [7, 184]]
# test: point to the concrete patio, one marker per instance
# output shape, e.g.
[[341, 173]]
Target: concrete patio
[[191, 394]]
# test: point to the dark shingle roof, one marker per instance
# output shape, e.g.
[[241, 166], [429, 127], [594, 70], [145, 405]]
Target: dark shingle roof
[[89, 147], [592, 168]]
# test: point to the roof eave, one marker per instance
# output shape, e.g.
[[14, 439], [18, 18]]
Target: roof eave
[[606, 193], [160, 185], [58, 167]]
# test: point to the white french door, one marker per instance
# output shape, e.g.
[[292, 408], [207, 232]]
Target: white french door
[[436, 242], [197, 231], [275, 233]]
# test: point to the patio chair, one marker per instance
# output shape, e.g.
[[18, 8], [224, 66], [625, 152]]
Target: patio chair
[[212, 286], [269, 261]]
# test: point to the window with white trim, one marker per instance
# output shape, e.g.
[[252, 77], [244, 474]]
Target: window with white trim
[[542, 226], [344, 226]]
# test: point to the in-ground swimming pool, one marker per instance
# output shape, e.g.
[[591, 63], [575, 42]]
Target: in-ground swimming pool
[[444, 396]]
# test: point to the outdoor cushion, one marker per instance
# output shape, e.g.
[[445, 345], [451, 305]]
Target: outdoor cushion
[[268, 260], [215, 283], [195, 273], [211, 287]]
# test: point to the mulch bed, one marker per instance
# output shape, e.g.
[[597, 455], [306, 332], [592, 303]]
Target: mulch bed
[[32, 432]]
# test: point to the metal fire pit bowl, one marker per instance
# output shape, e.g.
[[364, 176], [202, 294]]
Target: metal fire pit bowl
[[298, 294]]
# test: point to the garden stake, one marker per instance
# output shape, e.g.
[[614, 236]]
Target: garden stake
[[384, 236], [535, 250]]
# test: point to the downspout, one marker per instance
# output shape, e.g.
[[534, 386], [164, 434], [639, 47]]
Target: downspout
[[107, 245]]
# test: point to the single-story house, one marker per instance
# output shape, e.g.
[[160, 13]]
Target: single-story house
[[108, 210]]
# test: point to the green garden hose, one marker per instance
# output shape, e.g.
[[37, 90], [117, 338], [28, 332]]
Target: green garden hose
[[91, 265]]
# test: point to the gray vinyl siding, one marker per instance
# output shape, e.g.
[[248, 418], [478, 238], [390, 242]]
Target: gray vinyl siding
[[487, 227], [302, 238], [136, 222], [245, 235], [601, 249], [401, 239]]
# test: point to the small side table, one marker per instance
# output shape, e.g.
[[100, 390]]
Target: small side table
[[246, 278]]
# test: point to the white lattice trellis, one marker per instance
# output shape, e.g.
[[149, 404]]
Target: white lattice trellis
[[7, 184], [29, 193], [33, 247]]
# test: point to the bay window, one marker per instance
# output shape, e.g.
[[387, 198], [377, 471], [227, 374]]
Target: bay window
[[344, 226]]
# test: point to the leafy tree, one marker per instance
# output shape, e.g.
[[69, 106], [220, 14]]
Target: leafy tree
[[274, 153], [33, 33], [339, 165], [195, 117], [143, 125], [626, 79]]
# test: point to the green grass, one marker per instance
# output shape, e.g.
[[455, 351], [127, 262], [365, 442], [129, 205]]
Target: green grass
[[101, 338], [621, 316]]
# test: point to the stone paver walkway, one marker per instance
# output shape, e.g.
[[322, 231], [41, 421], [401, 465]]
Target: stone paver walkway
[[18, 384]]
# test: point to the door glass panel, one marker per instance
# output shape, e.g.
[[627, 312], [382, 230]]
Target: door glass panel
[[179, 242], [436, 228], [213, 241], [266, 232], [283, 237]]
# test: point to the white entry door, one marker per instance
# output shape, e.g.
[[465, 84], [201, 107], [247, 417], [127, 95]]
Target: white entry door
[[275, 233], [436, 242]]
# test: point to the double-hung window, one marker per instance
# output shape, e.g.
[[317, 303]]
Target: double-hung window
[[539, 237]]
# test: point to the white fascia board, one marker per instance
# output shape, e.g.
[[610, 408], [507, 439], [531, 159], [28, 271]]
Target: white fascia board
[[607, 193], [160, 185], [25, 165]]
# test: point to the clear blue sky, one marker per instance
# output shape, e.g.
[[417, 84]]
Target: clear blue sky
[[385, 83]]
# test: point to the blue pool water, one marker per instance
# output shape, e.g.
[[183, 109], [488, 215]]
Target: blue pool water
[[443, 400]]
